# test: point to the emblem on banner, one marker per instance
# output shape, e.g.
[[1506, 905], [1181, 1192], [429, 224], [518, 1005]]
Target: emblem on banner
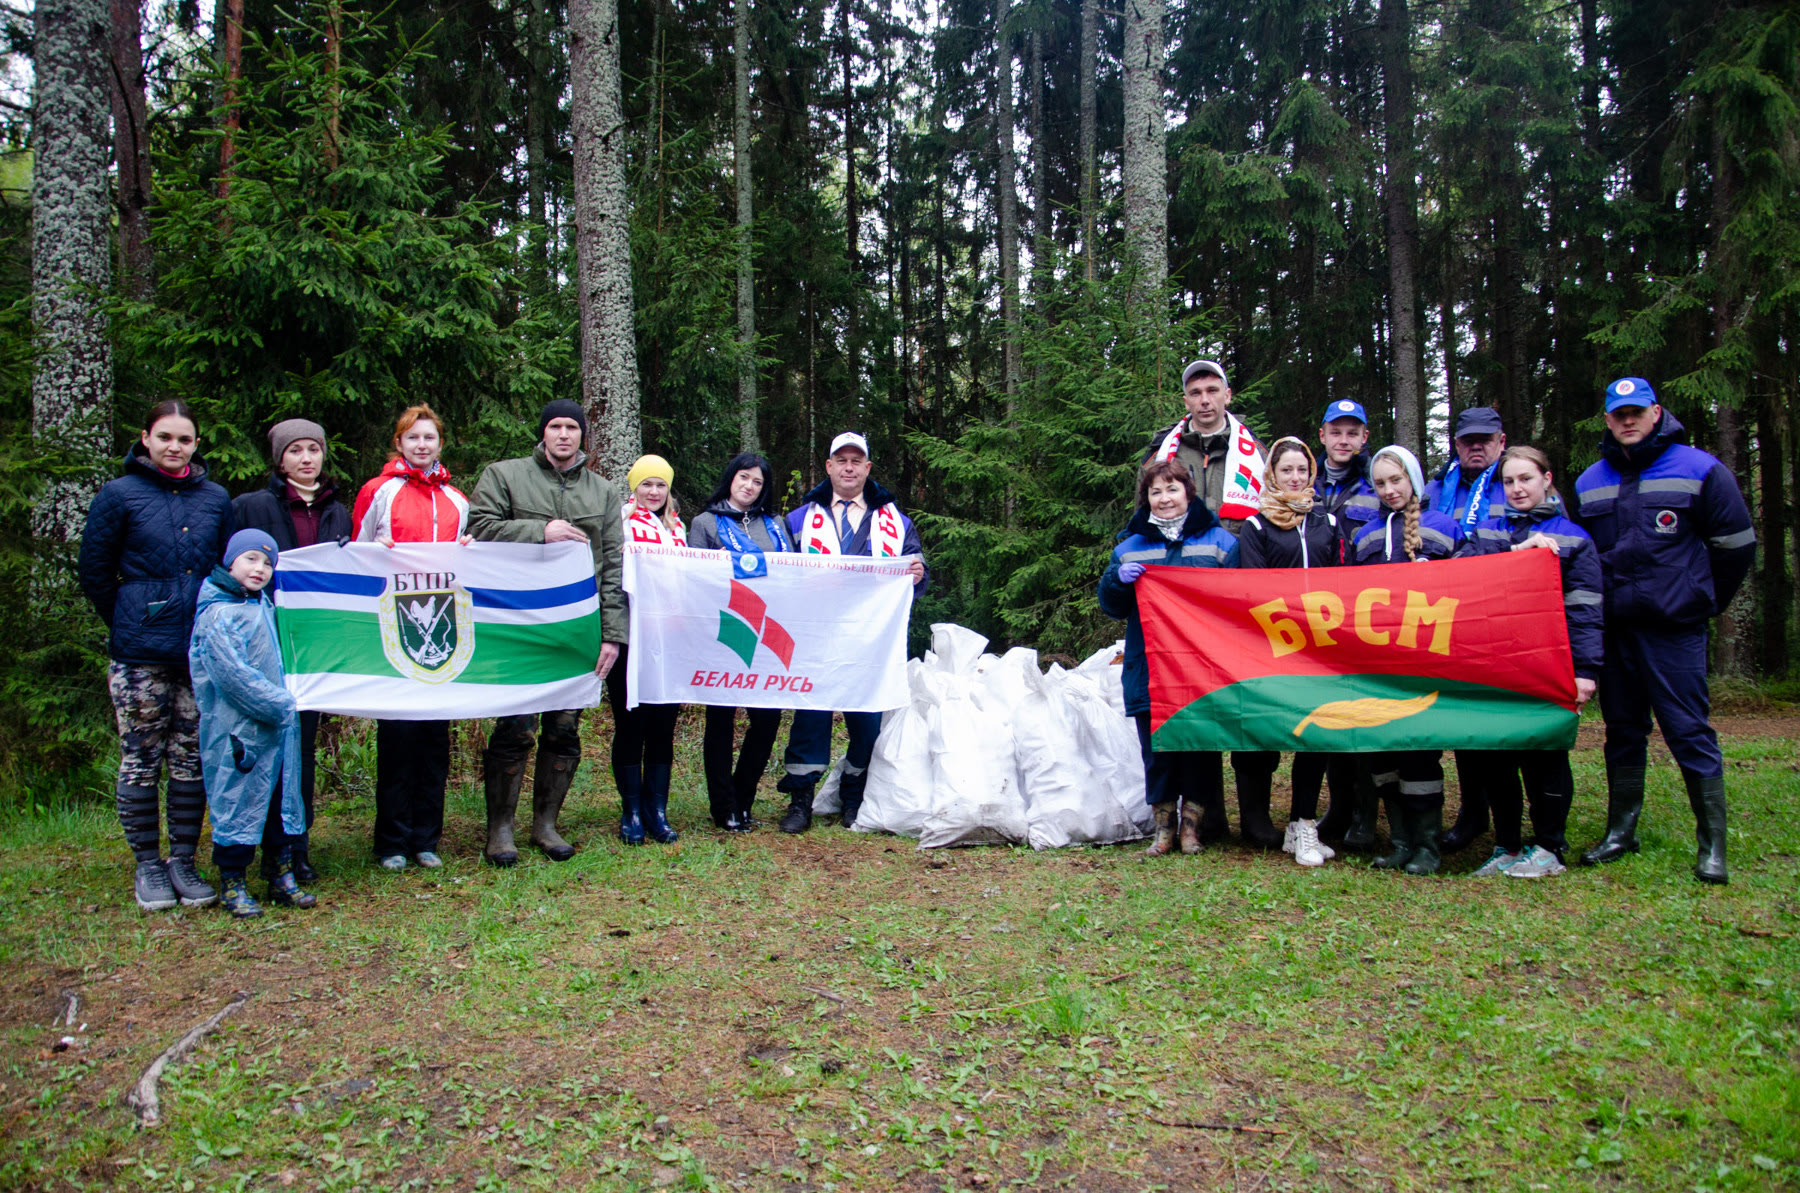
[[427, 626], [745, 624]]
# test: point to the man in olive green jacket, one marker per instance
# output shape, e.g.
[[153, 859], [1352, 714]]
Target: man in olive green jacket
[[550, 496]]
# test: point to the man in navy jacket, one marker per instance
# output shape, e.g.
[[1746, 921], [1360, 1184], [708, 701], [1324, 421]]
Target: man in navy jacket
[[1675, 543]]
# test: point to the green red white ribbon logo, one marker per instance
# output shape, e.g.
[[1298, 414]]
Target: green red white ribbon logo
[[745, 622]]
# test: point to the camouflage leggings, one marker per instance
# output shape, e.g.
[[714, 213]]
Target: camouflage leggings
[[158, 723]]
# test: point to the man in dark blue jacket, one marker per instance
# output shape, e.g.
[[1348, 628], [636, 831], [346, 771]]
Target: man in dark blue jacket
[[1675, 543]]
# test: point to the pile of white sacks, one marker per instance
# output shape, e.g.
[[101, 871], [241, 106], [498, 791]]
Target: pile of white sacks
[[992, 750]]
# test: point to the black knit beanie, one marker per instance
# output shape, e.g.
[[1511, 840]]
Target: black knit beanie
[[563, 408]]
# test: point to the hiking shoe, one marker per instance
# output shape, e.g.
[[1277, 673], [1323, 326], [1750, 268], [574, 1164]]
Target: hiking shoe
[[152, 887], [1499, 862], [428, 859], [1537, 862], [1308, 850], [394, 861], [189, 887]]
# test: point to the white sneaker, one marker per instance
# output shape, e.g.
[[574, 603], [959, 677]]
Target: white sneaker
[[394, 862], [1499, 862], [1538, 862], [1287, 840], [1308, 850], [428, 859]]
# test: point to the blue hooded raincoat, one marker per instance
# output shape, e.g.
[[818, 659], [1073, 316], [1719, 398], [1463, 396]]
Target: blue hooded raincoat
[[249, 729]]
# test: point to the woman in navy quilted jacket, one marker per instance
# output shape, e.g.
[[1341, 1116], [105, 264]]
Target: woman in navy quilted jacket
[[152, 537]]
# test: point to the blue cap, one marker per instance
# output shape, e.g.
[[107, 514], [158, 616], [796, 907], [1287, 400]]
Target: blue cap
[[1629, 391], [250, 540], [1345, 409]]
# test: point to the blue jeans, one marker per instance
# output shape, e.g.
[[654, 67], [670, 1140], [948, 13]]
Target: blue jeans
[[809, 747]]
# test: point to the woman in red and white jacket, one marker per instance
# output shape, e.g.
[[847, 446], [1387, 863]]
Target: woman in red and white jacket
[[412, 501]]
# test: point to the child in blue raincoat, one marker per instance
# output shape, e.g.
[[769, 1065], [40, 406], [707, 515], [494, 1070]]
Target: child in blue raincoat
[[249, 726]]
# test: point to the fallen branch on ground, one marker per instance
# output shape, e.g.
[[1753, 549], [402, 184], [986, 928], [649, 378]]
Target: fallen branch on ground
[[143, 1095], [1763, 933], [1248, 1130], [826, 994]]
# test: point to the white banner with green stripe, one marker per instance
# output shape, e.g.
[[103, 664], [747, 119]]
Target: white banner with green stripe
[[439, 631]]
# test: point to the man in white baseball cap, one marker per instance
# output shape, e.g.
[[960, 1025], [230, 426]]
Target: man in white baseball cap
[[847, 514], [1224, 456]]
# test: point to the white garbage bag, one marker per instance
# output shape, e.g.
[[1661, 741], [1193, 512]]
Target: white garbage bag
[[976, 797], [1106, 668], [1108, 739], [898, 795]]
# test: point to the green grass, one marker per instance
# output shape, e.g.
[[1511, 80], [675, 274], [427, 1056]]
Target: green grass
[[843, 1011]]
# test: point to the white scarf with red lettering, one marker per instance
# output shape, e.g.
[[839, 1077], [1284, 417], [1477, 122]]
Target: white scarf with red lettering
[[644, 526], [819, 532], [1244, 467]]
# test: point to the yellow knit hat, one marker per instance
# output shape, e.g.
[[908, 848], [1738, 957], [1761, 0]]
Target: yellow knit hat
[[647, 467]]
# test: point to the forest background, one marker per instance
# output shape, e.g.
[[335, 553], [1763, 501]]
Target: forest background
[[986, 234]]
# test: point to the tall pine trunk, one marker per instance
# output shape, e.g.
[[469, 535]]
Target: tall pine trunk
[[746, 276], [537, 139], [609, 375], [1402, 219], [1734, 649], [234, 74], [1040, 169], [131, 149], [1145, 167], [1007, 185], [1089, 70], [71, 260], [852, 213]]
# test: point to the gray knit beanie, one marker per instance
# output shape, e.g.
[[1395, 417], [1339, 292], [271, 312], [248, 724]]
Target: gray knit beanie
[[287, 431]]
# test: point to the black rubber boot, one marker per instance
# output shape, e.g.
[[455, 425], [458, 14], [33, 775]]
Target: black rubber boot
[[304, 871], [850, 793], [1425, 825], [236, 897], [504, 778], [283, 888], [1361, 836], [631, 787], [799, 813], [1707, 797], [550, 786], [1254, 792], [655, 804], [1400, 832], [741, 818], [1472, 815], [1624, 804]]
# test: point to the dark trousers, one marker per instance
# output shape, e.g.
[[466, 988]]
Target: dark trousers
[[1308, 777], [1311, 772], [809, 746], [239, 857], [412, 768], [1195, 775], [642, 736], [512, 737], [309, 740], [1418, 775], [1660, 671], [1549, 785], [730, 789]]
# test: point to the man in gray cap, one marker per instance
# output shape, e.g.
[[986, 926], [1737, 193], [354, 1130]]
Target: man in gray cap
[[1224, 457]]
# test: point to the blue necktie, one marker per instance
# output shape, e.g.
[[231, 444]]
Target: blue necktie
[[844, 531]]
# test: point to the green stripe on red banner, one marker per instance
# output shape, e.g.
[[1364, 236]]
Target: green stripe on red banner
[[1358, 713]]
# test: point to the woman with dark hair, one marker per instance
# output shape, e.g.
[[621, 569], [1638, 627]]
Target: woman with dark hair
[[739, 517], [152, 537], [299, 507], [411, 501], [1171, 528], [643, 744]]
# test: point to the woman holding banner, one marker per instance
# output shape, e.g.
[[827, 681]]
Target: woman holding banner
[[643, 745], [740, 517], [1288, 532], [411, 501], [1534, 519], [299, 507], [1172, 529], [1413, 780]]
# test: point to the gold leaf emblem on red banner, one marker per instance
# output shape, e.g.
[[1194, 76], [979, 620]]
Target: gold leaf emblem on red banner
[[1365, 713]]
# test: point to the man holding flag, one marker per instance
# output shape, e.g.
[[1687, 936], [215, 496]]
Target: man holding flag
[[847, 514], [550, 496]]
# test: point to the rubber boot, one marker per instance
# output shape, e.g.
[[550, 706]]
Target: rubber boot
[[1336, 821], [550, 786], [283, 888], [1254, 790], [1192, 837], [631, 789], [236, 897], [504, 781], [850, 791], [1400, 832], [743, 795], [1707, 797], [1624, 804], [655, 806], [1472, 814], [1425, 823], [1360, 837], [304, 871], [799, 814], [1164, 841]]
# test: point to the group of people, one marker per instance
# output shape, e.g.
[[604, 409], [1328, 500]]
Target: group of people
[[1657, 542], [180, 572]]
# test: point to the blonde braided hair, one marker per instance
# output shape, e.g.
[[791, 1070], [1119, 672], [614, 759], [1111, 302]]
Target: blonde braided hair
[[1412, 539]]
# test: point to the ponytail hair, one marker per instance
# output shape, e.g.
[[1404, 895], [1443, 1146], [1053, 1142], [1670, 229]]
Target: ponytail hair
[[1411, 539]]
